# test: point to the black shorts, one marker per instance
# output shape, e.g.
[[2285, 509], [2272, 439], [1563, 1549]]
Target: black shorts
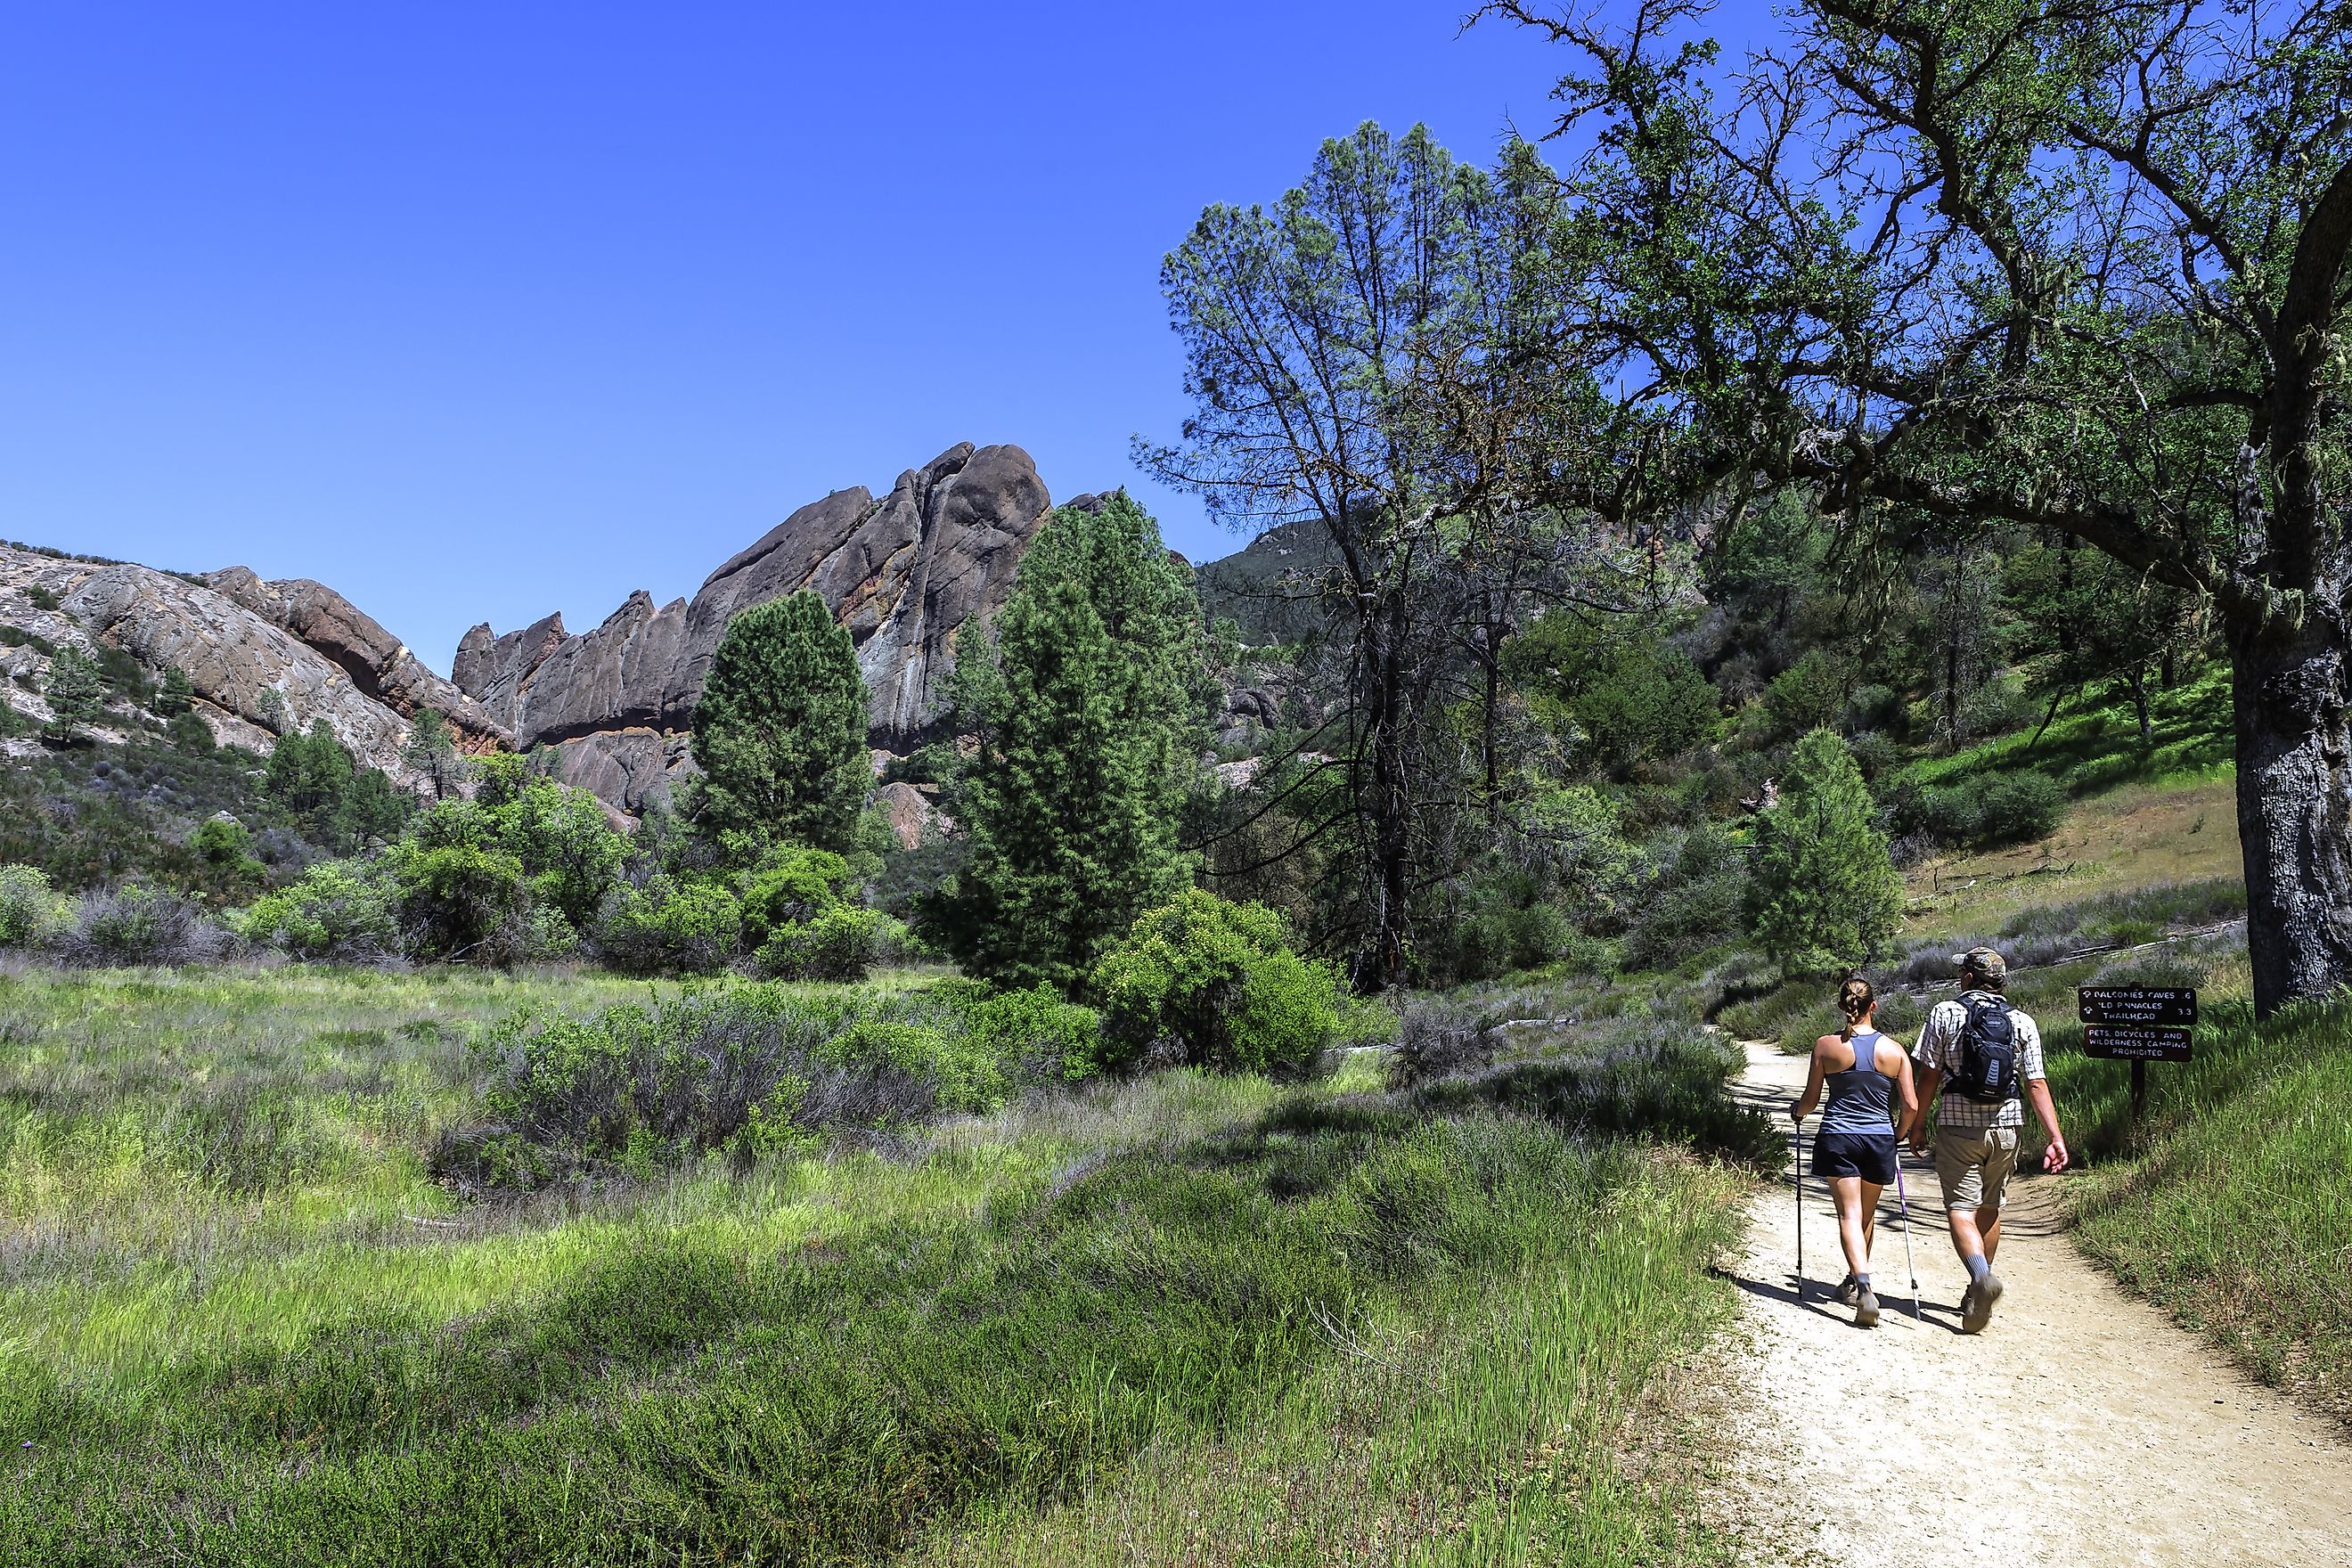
[[1870, 1155]]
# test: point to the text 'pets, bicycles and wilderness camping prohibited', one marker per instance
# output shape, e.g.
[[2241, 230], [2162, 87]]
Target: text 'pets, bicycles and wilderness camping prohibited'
[[2137, 1023]]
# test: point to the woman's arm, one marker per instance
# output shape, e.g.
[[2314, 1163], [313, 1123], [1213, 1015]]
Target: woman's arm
[[1807, 1101]]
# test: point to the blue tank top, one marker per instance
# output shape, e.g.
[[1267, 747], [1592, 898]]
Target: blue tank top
[[1861, 1098]]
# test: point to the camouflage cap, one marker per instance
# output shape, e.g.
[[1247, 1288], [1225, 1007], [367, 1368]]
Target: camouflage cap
[[1981, 960]]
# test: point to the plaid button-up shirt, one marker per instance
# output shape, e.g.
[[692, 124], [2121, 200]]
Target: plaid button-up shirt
[[1939, 1047]]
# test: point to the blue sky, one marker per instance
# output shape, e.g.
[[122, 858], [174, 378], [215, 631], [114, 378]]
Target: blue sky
[[476, 312]]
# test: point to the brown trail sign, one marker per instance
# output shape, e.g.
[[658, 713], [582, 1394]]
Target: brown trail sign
[[2137, 1023]]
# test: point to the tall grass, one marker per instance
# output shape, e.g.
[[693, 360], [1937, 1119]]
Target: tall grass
[[243, 1327]]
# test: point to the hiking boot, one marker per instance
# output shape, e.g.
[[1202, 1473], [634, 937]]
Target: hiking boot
[[1866, 1309], [1846, 1291], [1976, 1304]]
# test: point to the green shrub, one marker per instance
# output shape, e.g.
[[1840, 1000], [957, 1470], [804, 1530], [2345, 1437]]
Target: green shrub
[[1218, 981], [1876, 754], [1809, 695], [2015, 808], [339, 912], [1039, 1033], [224, 844], [672, 928], [835, 945], [1694, 904], [793, 884], [745, 1068], [29, 908], [1997, 707], [189, 732], [961, 1072], [1876, 708], [460, 901]]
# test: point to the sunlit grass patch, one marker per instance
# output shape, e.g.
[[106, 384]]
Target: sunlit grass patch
[[243, 1325]]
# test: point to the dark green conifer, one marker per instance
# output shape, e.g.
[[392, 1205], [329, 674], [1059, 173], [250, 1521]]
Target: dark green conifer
[[1824, 893], [1081, 706], [780, 733], [76, 691]]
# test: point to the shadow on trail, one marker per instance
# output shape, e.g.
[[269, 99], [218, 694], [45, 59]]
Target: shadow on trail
[[1817, 1300]]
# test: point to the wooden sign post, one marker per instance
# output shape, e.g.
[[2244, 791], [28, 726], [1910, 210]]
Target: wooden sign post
[[2137, 1023]]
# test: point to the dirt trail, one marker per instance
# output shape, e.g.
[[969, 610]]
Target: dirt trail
[[2082, 1427]]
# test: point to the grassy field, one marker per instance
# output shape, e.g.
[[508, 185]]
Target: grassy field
[[1183, 1319]]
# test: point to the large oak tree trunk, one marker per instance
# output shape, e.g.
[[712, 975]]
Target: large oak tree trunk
[[2293, 685]]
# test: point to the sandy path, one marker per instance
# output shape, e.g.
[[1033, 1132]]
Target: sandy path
[[2082, 1427]]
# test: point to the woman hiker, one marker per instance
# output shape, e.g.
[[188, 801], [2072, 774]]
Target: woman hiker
[[1854, 1148]]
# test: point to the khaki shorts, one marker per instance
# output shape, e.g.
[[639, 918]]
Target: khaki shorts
[[1974, 1164]]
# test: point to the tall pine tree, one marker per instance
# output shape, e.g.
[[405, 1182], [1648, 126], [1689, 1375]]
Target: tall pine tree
[[779, 732], [1824, 893], [1081, 707]]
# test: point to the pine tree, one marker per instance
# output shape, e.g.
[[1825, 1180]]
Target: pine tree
[[780, 733], [178, 694], [432, 752], [1824, 893], [76, 690], [1081, 709]]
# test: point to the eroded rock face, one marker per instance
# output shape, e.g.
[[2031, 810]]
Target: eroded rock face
[[246, 671], [379, 664], [905, 574], [634, 769]]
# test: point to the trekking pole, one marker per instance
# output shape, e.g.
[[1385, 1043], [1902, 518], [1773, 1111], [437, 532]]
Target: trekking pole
[[1796, 1169], [1902, 1204]]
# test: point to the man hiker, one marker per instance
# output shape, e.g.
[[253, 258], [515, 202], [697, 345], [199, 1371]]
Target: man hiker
[[1981, 1054]]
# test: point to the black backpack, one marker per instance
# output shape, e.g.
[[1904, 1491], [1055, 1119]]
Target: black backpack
[[1988, 1072]]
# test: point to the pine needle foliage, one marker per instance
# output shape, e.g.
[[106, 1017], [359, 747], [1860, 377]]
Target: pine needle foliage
[[1081, 709], [76, 691], [780, 733], [1824, 894]]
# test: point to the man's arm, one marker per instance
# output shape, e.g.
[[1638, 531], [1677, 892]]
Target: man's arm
[[2054, 1158], [1930, 1081]]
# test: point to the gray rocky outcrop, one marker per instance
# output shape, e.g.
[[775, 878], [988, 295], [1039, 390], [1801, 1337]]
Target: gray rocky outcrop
[[250, 676], [634, 769], [905, 574], [379, 664]]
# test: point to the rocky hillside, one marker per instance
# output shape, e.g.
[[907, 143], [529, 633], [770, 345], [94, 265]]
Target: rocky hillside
[[612, 707], [904, 572], [262, 656]]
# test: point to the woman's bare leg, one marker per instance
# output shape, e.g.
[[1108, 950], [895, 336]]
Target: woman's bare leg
[[1853, 1230]]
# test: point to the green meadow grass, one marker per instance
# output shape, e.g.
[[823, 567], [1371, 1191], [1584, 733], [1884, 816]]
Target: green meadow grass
[[2095, 749], [1251, 1323]]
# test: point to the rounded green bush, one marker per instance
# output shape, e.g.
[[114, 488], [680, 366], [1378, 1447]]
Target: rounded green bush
[[837, 944], [338, 909], [2020, 807], [690, 927], [1219, 981], [29, 908]]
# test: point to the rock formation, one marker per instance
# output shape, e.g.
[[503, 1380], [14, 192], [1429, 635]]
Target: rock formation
[[248, 672], [379, 664], [904, 574]]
